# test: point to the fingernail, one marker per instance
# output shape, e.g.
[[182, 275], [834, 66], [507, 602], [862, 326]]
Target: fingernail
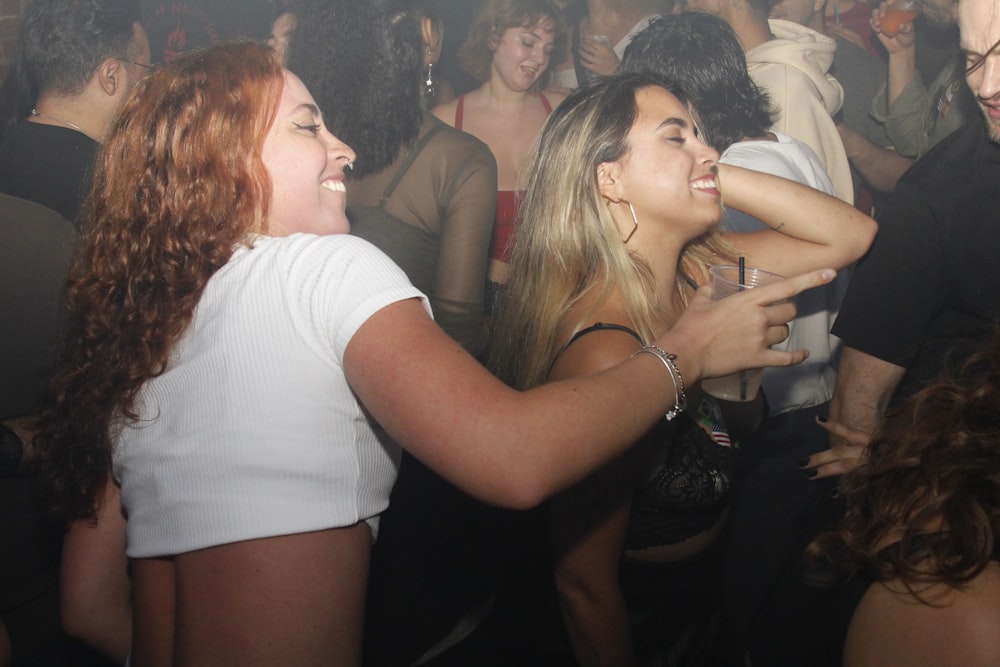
[[821, 419], [812, 472], [803, 463]]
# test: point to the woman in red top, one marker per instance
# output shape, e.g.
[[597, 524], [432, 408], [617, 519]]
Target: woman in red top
[[509, 49]]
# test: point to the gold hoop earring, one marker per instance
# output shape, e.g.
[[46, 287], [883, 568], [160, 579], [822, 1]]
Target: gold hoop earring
[[635, 223]]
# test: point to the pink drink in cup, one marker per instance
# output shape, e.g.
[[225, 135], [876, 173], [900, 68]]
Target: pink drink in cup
[[744, 385]]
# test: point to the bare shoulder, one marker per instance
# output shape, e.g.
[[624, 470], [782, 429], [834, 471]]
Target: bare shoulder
[[596, 351], [953, 626], [556, 94]]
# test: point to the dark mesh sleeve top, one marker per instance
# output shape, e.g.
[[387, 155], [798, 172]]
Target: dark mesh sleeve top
[[432, 212]]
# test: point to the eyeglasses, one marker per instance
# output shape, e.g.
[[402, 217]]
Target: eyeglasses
[[148, 68]]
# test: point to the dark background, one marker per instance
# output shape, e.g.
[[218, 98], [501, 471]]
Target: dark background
[[176, 27]]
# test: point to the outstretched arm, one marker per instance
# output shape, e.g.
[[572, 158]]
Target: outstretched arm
[[880, 167], [515, 449]]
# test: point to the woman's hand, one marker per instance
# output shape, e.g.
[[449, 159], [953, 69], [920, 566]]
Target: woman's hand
[[598, 56], [841, 458], [714, 338]]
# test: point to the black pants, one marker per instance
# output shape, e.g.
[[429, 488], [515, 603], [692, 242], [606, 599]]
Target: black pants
[[775, 512]]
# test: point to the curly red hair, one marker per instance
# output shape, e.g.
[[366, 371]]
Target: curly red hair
[[177, 186]]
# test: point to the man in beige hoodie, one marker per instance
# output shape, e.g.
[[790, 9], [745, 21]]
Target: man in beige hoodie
[[791, 63]]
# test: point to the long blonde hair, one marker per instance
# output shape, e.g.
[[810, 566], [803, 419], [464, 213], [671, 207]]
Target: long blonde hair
[[567, 243]]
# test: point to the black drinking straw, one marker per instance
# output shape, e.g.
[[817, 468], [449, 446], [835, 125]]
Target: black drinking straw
[[743, 282]]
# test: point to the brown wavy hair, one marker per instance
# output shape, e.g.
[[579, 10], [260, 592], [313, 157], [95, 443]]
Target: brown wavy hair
[[931, 483], [476, 54], [178, 184]]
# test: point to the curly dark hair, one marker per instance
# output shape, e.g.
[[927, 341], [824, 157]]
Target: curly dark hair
[[362, 61], [496, 16], [702, 53], [178, 184], [931, 483]]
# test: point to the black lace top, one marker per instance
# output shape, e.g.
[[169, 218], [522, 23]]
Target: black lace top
[[688, 492]]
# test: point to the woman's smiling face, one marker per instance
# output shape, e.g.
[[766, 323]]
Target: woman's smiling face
[[306, 166], [668, 173], [523, 53]]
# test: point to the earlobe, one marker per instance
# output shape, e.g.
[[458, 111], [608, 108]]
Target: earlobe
[[609, 181], [431, 34], [109, 75]]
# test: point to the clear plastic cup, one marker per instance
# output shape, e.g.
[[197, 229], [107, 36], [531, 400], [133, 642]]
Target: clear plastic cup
[[898, 13], [744, 385]]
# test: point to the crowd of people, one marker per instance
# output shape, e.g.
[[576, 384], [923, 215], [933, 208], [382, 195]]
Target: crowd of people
[[314, 358]]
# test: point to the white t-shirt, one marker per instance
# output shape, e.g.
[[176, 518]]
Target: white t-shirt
[[252, 431], [811, 382]]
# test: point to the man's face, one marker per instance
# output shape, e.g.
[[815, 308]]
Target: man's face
[[979, 23]]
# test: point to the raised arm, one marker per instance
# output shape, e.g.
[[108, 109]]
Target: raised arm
[[514, 449], [809, 229], [904, 105], [902, 50]]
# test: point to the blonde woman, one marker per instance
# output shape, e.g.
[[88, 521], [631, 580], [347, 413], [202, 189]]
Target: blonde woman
[[620, 224]]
